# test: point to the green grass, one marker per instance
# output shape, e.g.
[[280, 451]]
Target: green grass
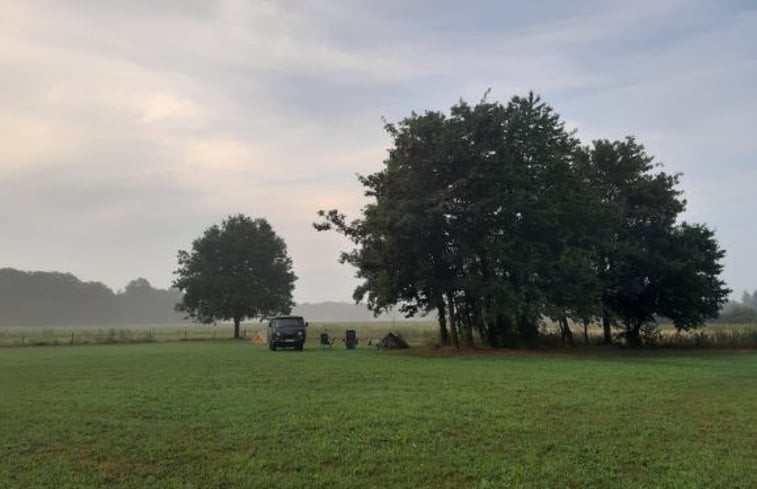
[[230, 414]]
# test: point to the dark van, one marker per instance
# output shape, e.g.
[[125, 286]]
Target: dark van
[[286, 331]]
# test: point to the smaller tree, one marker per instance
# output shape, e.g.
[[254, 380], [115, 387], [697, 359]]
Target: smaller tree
[[749, 300], [234, 271], [691, 291]]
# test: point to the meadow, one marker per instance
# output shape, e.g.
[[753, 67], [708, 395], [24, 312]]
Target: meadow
[[233, 414], [418, 332]]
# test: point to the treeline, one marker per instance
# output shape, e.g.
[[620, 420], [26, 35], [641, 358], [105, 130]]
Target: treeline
[[53, 298], [497, 217], [740, 312]]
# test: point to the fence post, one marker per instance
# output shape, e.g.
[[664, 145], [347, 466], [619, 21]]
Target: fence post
[[72, 338]]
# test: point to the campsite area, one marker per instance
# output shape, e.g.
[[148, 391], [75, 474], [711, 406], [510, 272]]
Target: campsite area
[[233, 414]]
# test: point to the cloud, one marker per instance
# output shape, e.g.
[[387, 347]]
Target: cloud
[[161, 107], [130, 127], [31, 143]]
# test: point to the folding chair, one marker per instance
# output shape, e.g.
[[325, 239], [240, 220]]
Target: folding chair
[[325, 340]]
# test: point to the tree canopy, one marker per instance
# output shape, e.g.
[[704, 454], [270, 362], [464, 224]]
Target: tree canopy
[[496, 217], [234, 271]]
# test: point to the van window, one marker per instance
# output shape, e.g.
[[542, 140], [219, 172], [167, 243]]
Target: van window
[[288, 323]]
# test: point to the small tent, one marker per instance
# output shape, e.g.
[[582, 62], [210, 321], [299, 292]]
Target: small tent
[[393, 341], [259, 338]]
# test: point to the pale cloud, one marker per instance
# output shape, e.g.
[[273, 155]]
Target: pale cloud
[[31, 143], [230, 158], [157, 107], [129, 127]]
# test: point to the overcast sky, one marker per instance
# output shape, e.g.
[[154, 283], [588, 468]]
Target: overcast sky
[[128, 127]]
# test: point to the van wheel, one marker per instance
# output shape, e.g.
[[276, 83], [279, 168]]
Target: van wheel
[[272, 346], [299, 347]]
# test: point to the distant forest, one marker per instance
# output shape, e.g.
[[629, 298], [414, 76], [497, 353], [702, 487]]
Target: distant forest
[[740, 312], [62, 299], [54, 298]]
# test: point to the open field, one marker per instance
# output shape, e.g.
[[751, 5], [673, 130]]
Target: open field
[[231, 414], [417, 332]]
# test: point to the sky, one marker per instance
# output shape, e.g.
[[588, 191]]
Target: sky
[[129, 127]]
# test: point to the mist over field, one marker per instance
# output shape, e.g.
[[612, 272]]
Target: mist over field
[[61, 299]]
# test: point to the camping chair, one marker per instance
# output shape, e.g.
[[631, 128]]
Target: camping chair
[[325, 340], [350, 339]]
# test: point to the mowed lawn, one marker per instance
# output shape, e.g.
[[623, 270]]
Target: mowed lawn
[[205, 415]]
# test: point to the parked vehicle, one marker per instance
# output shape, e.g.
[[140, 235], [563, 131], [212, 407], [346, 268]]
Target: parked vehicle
[[287, 332]]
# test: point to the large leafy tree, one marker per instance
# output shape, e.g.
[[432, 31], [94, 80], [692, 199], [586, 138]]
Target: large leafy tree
[[234, 271], [542, 229], [495, 217], [651, 265], [403, 251], [469, 217]]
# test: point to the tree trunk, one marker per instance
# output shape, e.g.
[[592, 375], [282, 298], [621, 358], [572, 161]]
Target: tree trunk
[[443, 333], [606, 327], [467, 327], [467, 333], [527, 327], [503, 330], [586, 331], [237, 321], [452, 321], [567, 334], [632, 334], [484, 329]]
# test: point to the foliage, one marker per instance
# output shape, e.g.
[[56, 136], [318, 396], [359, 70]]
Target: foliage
[[650, 265], [234, 271], [495, 217]]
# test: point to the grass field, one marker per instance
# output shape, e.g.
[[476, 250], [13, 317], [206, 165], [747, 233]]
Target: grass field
[[231, 414]]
